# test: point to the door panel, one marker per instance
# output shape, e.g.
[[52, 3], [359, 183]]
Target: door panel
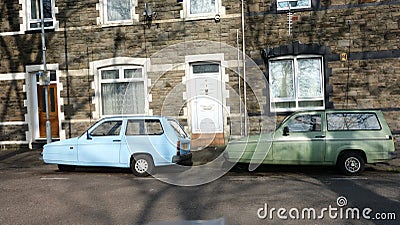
[[305, 141], [101, 151], [207, 105], [102, 145], [53, 110]]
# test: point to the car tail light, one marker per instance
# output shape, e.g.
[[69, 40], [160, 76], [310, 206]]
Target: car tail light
[[178, 148]]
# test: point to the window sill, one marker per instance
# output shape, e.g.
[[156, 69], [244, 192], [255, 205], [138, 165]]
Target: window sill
[[278, 11], [39, 30], [118, 24], [193, 18]]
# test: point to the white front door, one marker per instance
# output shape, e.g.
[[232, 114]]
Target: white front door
[[206, 102]]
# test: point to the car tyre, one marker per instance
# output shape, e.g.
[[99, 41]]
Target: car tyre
[[142, 165], [66, 168], [351, 163]]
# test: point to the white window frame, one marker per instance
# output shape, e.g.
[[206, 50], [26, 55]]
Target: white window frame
[[121, 79], [94, 68], [103, 19], [185, 13], [29, 20], [291, 8], [296, 97]]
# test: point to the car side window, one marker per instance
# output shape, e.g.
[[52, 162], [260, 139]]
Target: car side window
[[144, 127], [352, 121], [153, 127], [107, 128], [305, 123]]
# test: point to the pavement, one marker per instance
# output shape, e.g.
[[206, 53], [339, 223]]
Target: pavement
[[23, 158], [27, 158]]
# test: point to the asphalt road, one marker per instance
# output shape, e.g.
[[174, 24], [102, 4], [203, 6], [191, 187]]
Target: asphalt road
[[40, 194]]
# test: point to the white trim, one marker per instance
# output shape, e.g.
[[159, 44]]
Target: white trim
[[13, 142], [12, 123], [12, 76], [94, 68], [4, 34]]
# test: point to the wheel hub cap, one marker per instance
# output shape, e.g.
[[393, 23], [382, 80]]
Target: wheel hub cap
[[352, 164], [141, 166]]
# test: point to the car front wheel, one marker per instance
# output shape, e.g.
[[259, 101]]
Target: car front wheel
[[351, 163], [142, 165]]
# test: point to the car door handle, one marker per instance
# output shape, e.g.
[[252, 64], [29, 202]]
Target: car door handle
[[116, 140], [320, 136]]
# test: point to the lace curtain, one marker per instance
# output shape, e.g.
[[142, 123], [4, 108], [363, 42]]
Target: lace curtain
[[123, 98], [282, 76], [118, 10], [309, 78], [202, 6]]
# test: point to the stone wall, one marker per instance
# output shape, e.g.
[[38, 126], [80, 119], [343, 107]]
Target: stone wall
[[77, 94], [12, 99], [9, 19], [367, 30], [12, 112]]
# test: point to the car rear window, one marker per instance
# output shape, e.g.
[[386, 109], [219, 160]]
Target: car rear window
[[144, 127], [352, 121], [177, 128]]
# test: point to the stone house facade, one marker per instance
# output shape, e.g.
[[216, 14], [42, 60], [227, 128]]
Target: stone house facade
[[183, 59]]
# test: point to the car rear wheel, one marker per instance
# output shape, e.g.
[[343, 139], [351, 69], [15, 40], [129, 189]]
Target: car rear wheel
[[66, 168], [351, 163], [142, 165]]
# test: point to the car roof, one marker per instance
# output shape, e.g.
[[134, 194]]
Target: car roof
[[135, 117], [340, 110]]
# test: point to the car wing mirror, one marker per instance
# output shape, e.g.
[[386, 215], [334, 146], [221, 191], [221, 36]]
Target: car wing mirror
[[286, 131], [88, 136]]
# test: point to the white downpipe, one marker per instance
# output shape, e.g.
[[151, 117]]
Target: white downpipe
[[46, 90], [240, 85], [244, 72]]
